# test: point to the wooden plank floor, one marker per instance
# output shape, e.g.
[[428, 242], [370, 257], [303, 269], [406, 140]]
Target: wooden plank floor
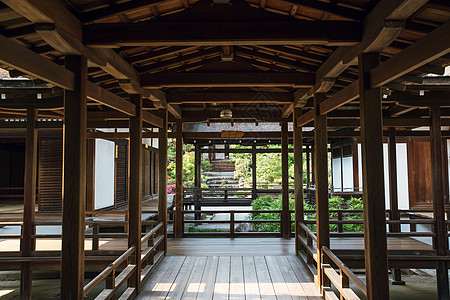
[[229, 277]]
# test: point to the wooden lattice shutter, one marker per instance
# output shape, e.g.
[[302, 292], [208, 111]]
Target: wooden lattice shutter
[[121, 175], [50, 174]]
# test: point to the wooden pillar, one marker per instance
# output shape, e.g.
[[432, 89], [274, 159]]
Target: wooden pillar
[[373, 181], [355, 165], [162, 186], [298, 174], [285, 214], [135, 190], [393, 194], [393, 186], [29, 200], [321, 173], [178, 230], [254, 178], [197, 179], [438, 201], [308, 166], [313, 165], [74, 194]]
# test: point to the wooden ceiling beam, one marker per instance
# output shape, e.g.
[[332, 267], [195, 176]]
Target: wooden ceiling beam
[[219, 33], [330, 8], [118, 9], [304, 55], [229, 97], [425, 50], [379, 30], [104, 97], [162, 65], [175, 110], [28, 62], [276, 59], [240, 79], [157, 54], [152, 119], [63, 31], [30, 101]]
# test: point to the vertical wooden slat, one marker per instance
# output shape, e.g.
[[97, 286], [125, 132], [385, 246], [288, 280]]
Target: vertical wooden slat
[[135, 190], [285, 215], [313, 164], [254, 179], [321, 180], [74, 195], [373, 181], [438, 201], [162, 182], [179, 181], [29, 201], [298, 174]]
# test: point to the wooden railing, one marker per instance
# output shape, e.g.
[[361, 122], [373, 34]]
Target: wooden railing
[[232, 221], [152, 244], [113, 282], [342, 280]]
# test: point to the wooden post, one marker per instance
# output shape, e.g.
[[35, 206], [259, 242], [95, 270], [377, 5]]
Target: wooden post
[[135, 190], [438, 201], [298, 175], [393, 194], [254, 178], [29, 200], [321, 173], [373, 181], [355, 165], [285, 215], [197, 180], [74, 195], [178, 225], [313, 165], [162, 186], [308, 166]]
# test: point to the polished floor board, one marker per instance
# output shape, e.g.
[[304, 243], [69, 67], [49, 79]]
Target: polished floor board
[[229, 277]]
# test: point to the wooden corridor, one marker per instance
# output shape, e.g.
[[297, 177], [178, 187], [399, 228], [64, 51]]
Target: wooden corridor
[[230, 277]]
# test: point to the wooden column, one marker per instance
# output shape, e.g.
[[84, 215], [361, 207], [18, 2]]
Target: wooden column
[[197, 179], [162, 186], [254, 179], [74, 194], [313, 165], [373, 181], [298, 174], [438, 201], [178, 230], [393, 194], [308, 166], [321, 180], [29, 199], [355, 165], [135, 189], [285, 214], [393, 186]]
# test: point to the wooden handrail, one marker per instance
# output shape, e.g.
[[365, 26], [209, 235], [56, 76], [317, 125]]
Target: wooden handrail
[[151, 232], [102, 276], [344, 270], [308, 232]]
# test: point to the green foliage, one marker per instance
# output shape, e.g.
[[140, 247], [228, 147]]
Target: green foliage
[[195, 229], [269, 203], [188, 165], [338, 203], [335, 203]]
